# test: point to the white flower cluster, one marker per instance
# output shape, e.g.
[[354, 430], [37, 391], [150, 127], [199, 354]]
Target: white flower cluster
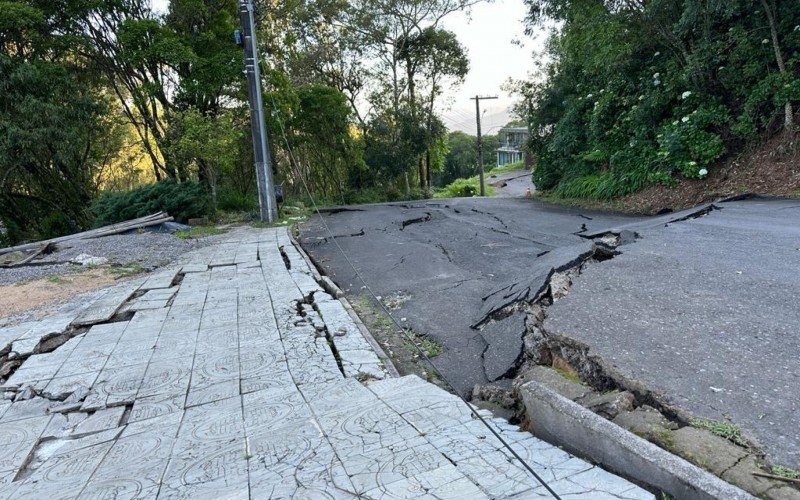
[[686, 95]]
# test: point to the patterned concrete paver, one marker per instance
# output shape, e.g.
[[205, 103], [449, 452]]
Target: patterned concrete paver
[[236, 376]]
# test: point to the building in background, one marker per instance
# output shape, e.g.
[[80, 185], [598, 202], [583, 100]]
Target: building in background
[[512, 145]]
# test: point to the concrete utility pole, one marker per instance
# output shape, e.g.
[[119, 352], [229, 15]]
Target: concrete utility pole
[[477, 100], [266, 188]]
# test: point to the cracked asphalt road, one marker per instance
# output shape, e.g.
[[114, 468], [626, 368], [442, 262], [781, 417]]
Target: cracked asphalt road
[[703, 311], [447, 255]]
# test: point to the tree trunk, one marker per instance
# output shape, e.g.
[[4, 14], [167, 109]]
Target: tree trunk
[[770, 9], [428, 168]]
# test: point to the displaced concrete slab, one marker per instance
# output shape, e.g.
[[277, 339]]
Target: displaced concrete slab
[[106, 306], [503, 345], [555, 417]]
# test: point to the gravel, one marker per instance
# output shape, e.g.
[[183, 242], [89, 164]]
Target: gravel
[[148, 249]]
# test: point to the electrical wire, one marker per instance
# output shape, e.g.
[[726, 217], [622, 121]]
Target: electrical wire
[[394, 320]]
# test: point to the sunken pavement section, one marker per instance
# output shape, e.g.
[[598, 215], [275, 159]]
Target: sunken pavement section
[[235, 375]]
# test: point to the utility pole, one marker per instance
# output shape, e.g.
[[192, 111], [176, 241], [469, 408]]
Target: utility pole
[[266, 189], [477, 100]]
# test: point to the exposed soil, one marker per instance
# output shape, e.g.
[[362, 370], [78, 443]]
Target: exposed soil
[[21, 297], [770, 170]]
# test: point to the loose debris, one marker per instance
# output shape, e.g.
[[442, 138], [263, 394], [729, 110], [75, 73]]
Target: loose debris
[[150, 220]]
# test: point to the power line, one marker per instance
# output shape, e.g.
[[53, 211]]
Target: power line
[[420, 351]]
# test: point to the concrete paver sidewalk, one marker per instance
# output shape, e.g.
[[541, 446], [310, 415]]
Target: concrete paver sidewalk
[[237, 376]]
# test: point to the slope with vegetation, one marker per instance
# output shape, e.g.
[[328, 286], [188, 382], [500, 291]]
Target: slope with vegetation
[[642, 93]]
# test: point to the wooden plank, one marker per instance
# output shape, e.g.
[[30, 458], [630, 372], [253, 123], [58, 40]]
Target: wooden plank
[[29, 257], [149, 220]]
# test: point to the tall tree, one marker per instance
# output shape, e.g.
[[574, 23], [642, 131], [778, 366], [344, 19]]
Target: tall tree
[[56, 126]]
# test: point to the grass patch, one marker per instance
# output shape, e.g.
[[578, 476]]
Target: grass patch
[[567, 375], [290, 213], [780, 470], [198, 232], [508, 167], [428, 346], [58, 280], [125, 270], [726, 430]]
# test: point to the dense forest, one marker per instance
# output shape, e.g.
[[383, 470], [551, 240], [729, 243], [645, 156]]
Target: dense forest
[[642, 92], [108, 96]]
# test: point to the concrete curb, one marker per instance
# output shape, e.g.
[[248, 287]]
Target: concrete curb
[[337, 293], [561, 421]]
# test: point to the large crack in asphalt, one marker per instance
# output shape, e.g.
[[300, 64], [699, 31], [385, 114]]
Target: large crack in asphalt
[[418, 220], [513, 316], [506, 318]]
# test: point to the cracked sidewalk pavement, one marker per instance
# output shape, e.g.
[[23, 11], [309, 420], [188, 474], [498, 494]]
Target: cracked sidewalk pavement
[[236, 375]]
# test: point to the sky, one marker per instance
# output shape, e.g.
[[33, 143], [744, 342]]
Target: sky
[[487, 33]]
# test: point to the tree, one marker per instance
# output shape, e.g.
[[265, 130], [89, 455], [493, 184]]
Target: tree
[[771, 11], [652, 91], [437, 55], [56, 126]]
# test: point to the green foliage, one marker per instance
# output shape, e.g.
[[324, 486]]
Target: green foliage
[[726, 430], [229, 200], [182, 201], [56, 125], [56, 224], [780, 470], [198, 232], [644, 93], [463, 188]]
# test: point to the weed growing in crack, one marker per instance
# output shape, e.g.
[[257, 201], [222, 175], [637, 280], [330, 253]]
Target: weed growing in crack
[[726, 430], [428, 346], [780, 470], [568, 375], [663, 436]]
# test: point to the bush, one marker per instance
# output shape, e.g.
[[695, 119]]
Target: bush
[[462, 188], [57, 224], [182, 201], [232, 201]]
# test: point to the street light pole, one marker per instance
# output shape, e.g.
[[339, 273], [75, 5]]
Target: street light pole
[[266, 190], [480, 138]]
